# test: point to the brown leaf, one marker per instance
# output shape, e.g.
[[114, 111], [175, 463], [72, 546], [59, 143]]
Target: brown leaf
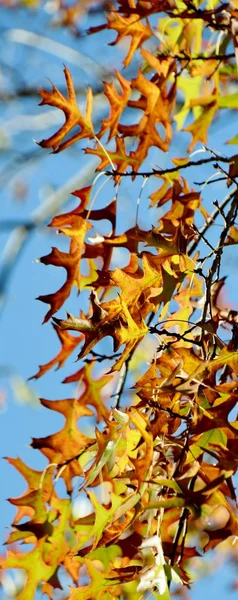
[[92, 390], [131, 26], [118, 103], [68, 344], [73, 116], [75, 227], [62, 448]]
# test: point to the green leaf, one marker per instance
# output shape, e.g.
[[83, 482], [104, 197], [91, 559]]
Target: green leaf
[[213, 436], [229, 101], [102, 518], [105, 555], [101, 585], [226, 357], [190, 88], [170, 483], [106, 457]]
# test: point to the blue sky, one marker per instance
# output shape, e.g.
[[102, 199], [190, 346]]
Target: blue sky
[[24, 343]]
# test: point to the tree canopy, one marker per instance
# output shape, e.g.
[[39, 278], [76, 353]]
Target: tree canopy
[[155, 340]]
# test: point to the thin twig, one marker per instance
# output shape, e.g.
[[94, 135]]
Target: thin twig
[[191, 163], [218, 179], [185, 56], [178, 336], [215, 267], [101, 357], [211, 221], [122, 380]]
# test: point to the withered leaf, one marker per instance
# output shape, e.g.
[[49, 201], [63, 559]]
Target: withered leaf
[[73, 115]]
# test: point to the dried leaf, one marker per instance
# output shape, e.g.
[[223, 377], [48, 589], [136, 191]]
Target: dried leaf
[[73, 115]]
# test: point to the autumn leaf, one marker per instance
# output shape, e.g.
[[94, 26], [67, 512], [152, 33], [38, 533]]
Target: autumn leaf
[[156, 104], [92, 394], [118, 103], [118, 323], [63, 447], [73, 115], [118, 157], [147, 448], [68, 344], [103, 518], [75, 227], [99, 584], [131, 26], [199, 127], [34, 565], [32, 502]]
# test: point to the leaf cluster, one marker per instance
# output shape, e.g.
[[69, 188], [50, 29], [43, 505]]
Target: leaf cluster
[[158, 468]]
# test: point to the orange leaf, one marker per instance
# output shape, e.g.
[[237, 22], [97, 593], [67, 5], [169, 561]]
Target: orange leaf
[[91, 395], [32, 503], [117, 104], [131, 26], [199, 127], [68, 344], [157, 106], [73, 115], [120, 159], [63, 447], [75, 227]]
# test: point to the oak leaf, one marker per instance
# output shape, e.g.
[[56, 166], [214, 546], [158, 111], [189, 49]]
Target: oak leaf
[[92, 389], [103, 586], [33, 563], [199, 127], [68, 344], [75, 227], [119, 157], [63, 447], [73, 115], [32, 503], [132, 26], [118, 323], [156, 104], [118, 103]]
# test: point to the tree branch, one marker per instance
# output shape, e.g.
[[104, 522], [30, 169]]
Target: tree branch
[[160, 172]]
